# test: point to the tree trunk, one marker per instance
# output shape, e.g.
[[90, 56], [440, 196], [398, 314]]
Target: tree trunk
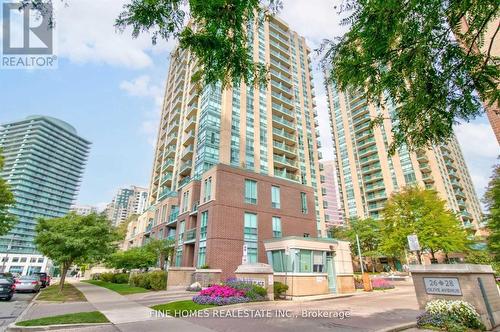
[[162, 261], [64, 269]]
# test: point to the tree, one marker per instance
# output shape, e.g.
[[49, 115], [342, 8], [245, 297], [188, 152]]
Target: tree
[[492, 201], [162, 249], [421, 212], [417, 55], [368, 231], [414, 53], [133, 258], [75, 239], [7, 220]]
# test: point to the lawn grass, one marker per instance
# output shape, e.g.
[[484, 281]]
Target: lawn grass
[[123, 289], [69, 294], [76, 318], [174, 308]]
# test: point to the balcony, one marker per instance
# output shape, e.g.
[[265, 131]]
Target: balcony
[[282, 98], [282, 67], [455, 183], [368, 160], [192, 110], [283, 112], [172, 139], [188, 138], [318, 144], [281, 76], [452, 173], [362, 119], [366, 143], [279, 38], [466, 215], [173, 217], [321, 167], [281, 88], [363, 127], [190, 123], [193, 99], [367, 151], [422, 157], [166, 192], [427, 178], [177, 102], [370, 169], [372, 177], [280, 133], [190, 235], [283, 123], [285, 149], [285, 162], [170, 152], [450, 164], [461, 203], [187, 153], [459, 193], [166, 178], [168, 164], [186, 168], [425, 168], [358, 112], [375, 186]]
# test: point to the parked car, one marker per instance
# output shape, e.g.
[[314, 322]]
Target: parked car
[[28, 284], [7, 287], [44, 278]]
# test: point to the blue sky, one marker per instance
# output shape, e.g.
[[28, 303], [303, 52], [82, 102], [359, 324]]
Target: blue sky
[[109, 86]]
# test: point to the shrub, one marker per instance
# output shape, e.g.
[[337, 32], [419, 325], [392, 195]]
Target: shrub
[[358, 282], [120, 278], [106, 276], [140, 280], [456, 314], [204, 266], [279, 289], [217, 300], [256, 293], [380, 284], [157, 280]]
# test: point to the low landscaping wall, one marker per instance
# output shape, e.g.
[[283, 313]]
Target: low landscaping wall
[[182, 277], [301, 284]]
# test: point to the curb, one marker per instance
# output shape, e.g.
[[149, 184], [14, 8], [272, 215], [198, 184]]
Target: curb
[[14, 328], [397, 328]]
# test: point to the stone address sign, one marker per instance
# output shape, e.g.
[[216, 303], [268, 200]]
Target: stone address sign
[[442, 286]]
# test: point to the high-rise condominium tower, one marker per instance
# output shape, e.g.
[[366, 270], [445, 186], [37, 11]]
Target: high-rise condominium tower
[[127, 201], [331, 199], [44, 162], [368, 176], [263, 135]]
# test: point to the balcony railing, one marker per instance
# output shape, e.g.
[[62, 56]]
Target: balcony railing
[[190, 235]]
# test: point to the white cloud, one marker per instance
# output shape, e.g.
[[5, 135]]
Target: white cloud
[[85, 33], [142, 87], [480, 149]]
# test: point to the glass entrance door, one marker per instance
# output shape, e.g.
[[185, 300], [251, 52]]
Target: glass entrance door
[[330, 270]]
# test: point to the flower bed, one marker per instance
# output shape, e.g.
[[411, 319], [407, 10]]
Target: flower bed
[[231, 292], [381, 284], [449, 315]]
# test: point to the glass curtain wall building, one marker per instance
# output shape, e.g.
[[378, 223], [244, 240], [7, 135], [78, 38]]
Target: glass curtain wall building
[[44, 162]]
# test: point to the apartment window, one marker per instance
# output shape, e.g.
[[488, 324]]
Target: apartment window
[[185, 200], [305, 261], [23, 260], [250, 236], [318, 262], [303, 202], [15, 259], [178, 256], [202, 254], [203, 225], [250, 191], [40, 260], [207, 192], [275, 197], [276, 227], [182, 225]]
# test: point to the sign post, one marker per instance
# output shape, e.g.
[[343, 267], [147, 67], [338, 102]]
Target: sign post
[[414, 246], [244, 258]]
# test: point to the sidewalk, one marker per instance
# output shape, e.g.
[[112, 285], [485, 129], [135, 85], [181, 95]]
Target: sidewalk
[[128, 315]]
